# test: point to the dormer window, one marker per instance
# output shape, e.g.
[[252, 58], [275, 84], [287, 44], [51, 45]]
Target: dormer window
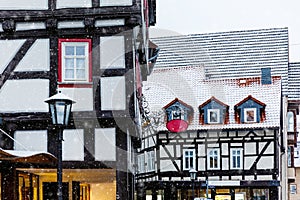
[[213, 111], [213, 116], [250, 115], [178, 115], [250, 110]]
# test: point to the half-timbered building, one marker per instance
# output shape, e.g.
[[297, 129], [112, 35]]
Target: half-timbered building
[[96, 52], [230, 133]]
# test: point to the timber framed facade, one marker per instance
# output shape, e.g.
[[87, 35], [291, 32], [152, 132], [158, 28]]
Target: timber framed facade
[[42, 39], [235, 157]]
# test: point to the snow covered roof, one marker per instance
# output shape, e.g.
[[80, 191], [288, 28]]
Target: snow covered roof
[[189, 85], [26, 156], [226, 55]]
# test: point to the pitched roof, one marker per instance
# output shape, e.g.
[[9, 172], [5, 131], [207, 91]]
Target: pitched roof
[[188, 85], [228, 54], [294, 81]]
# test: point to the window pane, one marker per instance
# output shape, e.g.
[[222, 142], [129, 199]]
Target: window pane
[[69, 63], [80, 74], [69, 74], [69, 50], [80, 63], [80, 50]]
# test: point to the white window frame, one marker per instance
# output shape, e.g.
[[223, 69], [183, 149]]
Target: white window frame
[[189, 160], [150, 161], [293, 189], [233, 158], [246, 110], [213, 111], [141, 163], [290, 119], [215, 157], [86, 55]]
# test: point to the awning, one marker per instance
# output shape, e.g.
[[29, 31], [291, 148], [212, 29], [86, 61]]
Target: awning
[[27, 156]]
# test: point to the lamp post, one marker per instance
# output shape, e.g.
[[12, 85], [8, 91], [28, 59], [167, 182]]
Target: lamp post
[[193, 174], [60, 108]]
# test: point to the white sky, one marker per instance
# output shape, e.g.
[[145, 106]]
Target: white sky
[[205, 16]]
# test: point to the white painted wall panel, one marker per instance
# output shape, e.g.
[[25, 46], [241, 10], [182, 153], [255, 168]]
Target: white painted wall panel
[[112, 52], [225, 164], [115, 2], [28, 5], [82, 96], [24, 96], [201, 150], [73, 3], [167, 165], [33, 140], [249, 162], [225, 149], [202, 164], [113, 93], [269, 150], [37, 58], [250, 148], [73, 145], [10, 47], [105, 144], [265, 162]]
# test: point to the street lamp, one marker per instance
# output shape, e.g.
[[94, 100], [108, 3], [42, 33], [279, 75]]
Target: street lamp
[[60, 109], [193, 174]]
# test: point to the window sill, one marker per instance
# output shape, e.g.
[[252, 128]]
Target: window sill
[[75, 85]]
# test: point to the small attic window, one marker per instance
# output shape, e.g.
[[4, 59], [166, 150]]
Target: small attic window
[[213, 111], [250, 115], [179, 115], [213, 116], [250, 110]]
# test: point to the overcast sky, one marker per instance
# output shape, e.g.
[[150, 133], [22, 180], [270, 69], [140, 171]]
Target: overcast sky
[[205, 16]]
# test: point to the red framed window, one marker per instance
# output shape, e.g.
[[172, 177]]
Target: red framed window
[[74, 61]]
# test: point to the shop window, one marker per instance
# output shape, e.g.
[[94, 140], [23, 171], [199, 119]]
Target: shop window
[[189, 159], [293, 189], [75, 61], [236, 158], [213, 158]]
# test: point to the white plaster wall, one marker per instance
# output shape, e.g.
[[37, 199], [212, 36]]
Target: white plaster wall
[[28, 4], [73, 3], [201, 150], [225, 164], [10, 47], [24, 96], [37, 58], [73, 145], [163, 153], [250, 148], [113, 93], [112, 52], [82, 96], [249, 162], [115, 2], [33, 140], [167, 165], [266, 162], [225, 149], [269, 150], [105, 144]]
